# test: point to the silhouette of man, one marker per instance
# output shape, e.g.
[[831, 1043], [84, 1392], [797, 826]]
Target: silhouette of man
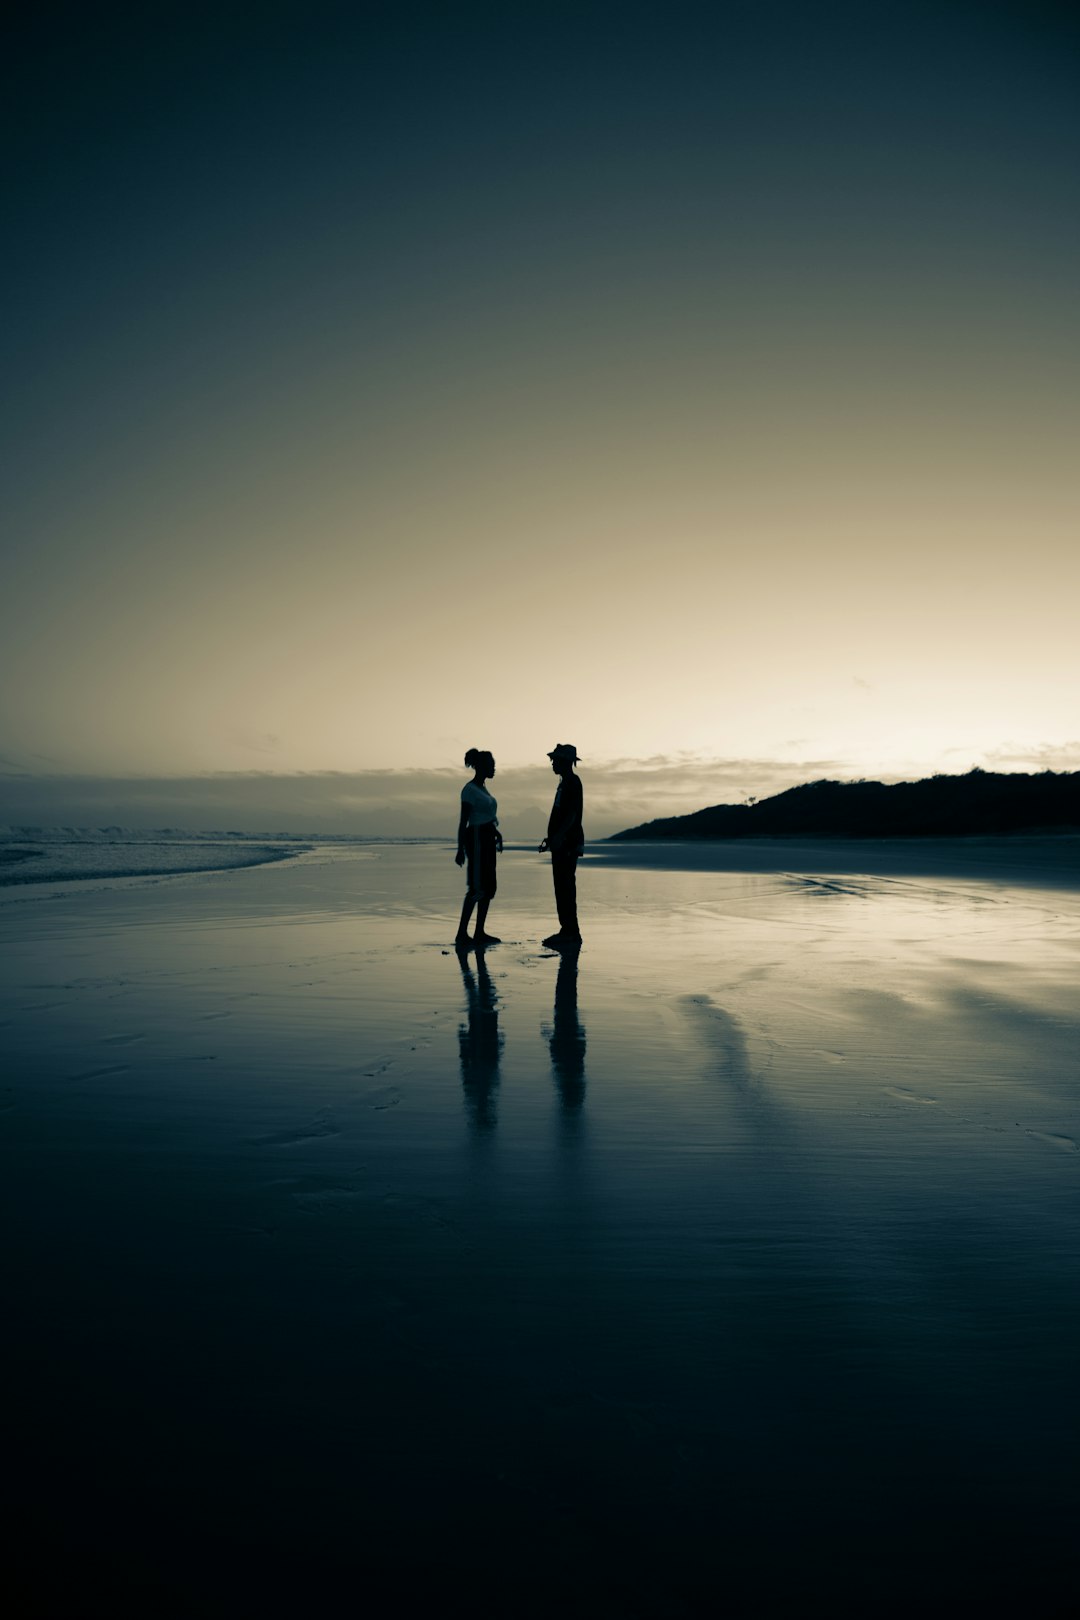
[[565, 839]]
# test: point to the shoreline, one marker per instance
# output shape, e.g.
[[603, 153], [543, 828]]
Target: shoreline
[[1045, 859]]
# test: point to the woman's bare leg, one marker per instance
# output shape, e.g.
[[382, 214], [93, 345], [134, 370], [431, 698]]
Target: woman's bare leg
[[463, 926], [482, 935]]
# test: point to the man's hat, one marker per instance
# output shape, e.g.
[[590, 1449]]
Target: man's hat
[[564, 751]]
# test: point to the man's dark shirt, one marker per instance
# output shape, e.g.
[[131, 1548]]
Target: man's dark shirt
[[566, 815]]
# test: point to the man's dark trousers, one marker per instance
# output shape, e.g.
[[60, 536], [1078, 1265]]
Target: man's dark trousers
[[564, 874]]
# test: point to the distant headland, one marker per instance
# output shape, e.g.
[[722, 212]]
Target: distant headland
[[980, 803]]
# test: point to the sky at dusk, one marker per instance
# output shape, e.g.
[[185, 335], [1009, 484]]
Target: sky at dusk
[[698, 384]]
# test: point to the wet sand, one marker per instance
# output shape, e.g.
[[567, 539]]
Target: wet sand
[[732, 1262]]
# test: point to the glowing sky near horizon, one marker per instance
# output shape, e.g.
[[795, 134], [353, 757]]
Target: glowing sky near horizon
[[693, 381]]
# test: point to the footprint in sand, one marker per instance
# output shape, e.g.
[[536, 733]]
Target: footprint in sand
[[321, 1125], [903, 1095], [1065, 1144], [314, 1202], [121, 1040], [99, 1074], [385, 1097], [209, 1017]]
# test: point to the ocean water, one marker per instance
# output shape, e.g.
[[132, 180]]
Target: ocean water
[[74, 855], [732, 1261]]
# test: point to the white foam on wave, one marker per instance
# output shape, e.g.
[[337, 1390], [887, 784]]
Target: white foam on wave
[[86, 854]]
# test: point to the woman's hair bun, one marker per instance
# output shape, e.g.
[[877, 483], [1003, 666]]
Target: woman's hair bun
[[472, 757]]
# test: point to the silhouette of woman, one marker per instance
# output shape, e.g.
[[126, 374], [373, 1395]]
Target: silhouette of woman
[[478, 842]]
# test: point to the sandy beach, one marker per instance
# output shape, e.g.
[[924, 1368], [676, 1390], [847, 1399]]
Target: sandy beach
[[732, 1261]]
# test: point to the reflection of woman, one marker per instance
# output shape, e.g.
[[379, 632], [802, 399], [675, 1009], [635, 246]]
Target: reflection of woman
[[480, 1043], [478, 842]]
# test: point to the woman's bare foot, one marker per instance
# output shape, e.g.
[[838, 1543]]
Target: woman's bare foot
[[462, 942], [486, 939]]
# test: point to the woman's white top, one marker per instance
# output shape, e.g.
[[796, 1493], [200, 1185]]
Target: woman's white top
[[482, 806]]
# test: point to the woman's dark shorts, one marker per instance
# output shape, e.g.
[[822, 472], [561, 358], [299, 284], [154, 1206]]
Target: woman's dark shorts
[[480, 848]]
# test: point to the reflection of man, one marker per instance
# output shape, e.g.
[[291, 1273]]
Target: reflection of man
[[566, 1040], [565, 840]]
